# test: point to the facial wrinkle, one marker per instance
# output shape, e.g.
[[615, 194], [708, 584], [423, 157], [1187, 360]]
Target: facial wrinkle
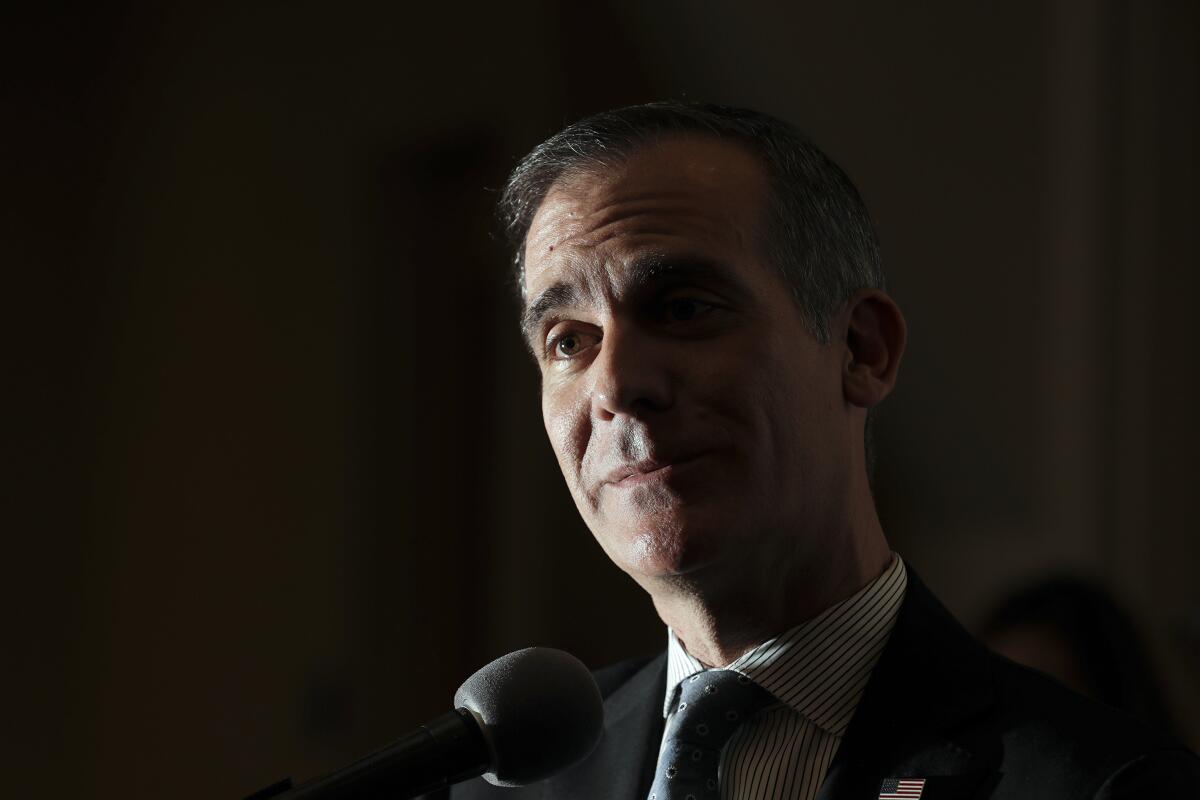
[[632, 441], [646, 219]]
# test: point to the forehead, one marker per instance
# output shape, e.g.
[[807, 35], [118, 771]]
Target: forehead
[[696, 196]]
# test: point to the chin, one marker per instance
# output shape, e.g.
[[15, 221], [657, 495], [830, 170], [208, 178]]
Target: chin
[[658, 532], [662, 548]]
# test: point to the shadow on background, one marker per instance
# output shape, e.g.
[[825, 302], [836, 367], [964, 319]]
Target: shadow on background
[[277, 464]]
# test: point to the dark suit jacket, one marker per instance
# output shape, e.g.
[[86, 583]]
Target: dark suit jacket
[[938, 706]]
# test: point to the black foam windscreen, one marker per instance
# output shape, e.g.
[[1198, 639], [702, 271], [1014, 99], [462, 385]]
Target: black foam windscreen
[[540, 710]]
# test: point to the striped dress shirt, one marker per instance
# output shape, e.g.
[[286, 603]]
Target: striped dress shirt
[[818, 672]]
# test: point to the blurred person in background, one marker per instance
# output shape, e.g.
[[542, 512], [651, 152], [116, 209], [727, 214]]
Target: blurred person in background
[[1073, 630]]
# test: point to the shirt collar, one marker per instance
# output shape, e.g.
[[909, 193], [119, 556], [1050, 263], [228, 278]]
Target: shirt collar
[[821, 667]]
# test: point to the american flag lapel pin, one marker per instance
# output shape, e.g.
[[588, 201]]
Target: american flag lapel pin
[[902, 789]]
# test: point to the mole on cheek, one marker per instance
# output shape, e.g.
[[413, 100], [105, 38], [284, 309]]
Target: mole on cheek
[[551, 248]]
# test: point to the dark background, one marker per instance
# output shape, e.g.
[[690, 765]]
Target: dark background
[[275, 467]]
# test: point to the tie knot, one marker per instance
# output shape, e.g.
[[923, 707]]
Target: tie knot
[[712, 704]]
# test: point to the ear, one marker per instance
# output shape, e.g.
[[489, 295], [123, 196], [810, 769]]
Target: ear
[[874, 333]]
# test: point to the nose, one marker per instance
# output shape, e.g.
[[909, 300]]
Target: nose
[[631, 376]]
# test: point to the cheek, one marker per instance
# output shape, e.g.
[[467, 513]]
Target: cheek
[[568, 425], [745, 390], [806, 420], [785, 403]]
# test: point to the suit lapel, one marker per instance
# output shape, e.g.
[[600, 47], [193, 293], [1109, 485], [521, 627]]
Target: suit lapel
[[931, 678], [622, 765]]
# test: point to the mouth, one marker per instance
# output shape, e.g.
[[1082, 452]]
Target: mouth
[[648, 471]]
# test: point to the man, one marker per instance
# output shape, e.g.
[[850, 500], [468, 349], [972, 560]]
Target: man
[[704, 298]]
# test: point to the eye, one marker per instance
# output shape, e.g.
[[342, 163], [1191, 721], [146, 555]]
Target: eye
[[685, 309], [569, 344]]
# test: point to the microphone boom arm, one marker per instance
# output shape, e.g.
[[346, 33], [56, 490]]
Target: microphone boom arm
[[426, 759]]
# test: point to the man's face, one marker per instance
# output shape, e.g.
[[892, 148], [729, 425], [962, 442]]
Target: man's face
[[698, 423]]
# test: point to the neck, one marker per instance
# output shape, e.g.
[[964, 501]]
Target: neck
[[720, 615]]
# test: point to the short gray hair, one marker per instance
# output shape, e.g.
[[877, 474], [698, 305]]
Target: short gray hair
[[819, 233]]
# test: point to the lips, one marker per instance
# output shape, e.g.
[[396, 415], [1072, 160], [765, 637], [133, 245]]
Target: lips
[[647, 469]]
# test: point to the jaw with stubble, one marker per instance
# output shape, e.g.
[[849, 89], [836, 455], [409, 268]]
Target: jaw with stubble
[[657, 513]]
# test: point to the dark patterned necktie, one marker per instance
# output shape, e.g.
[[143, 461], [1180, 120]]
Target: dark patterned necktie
[[712, 705]]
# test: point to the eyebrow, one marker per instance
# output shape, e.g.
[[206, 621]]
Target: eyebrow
[[643, 272], [557, 296]]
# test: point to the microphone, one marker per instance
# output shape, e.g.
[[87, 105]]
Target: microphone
[[520, 719]]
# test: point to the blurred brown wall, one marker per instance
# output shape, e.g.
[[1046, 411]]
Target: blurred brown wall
[[277, 474]]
